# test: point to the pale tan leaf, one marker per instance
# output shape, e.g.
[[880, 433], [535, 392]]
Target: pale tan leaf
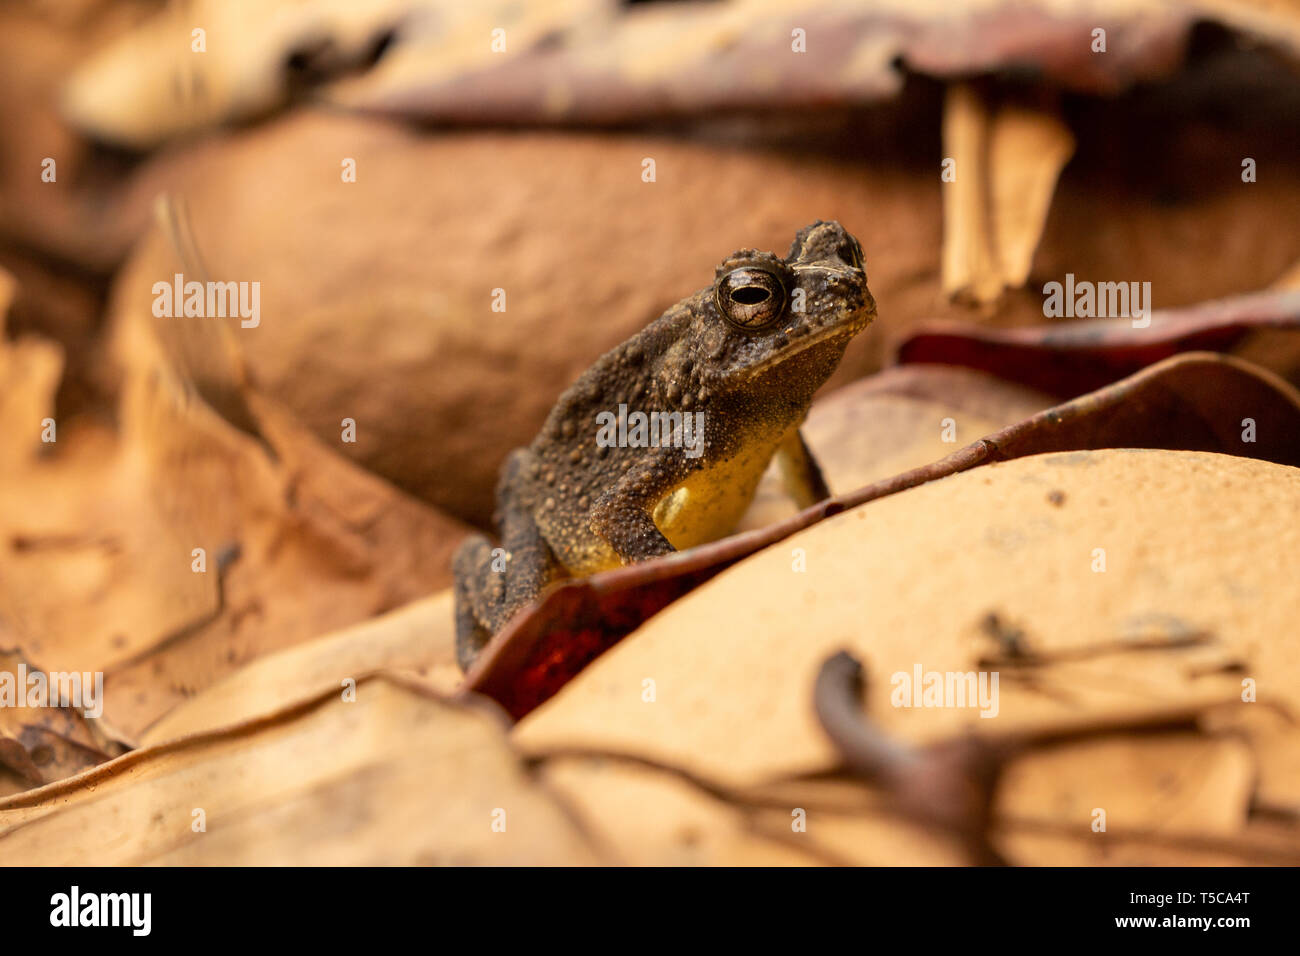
[[398, 777], [1195, 577], [417, 637]]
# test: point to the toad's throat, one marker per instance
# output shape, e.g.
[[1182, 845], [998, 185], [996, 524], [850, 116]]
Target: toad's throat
[[705, 507]]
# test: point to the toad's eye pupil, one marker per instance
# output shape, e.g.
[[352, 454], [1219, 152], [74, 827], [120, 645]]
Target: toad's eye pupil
[[750, 295], [750, 298]]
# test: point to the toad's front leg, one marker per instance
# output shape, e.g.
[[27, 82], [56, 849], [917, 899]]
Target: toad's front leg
[[624, 515], [800, 474]]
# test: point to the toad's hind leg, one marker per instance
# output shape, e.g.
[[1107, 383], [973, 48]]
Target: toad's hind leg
[[492, 584], [475, 582]]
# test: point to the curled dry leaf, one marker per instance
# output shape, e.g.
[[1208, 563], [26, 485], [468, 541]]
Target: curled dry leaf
[[48, 741], [303, 542], [1071, 358], [400, 776], [675, 59], [1196, 401]]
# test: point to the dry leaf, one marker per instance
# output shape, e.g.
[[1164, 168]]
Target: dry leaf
[[417, 638], [1006, 159], [1071, 358], [54, 738], [40, 44], [653, 818], [398, 777], [688, 58], [971, 269], [1180, 788], [166, 553]]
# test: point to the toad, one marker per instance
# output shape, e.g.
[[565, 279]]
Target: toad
[[660, 445]]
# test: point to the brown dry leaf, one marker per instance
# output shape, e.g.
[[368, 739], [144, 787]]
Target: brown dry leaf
[[733, 663], [102, 538], [71, 545], [971, 269], [418, 638], [40, 44], [321, 543], [48, 741], [29, 372], [398, 777], [94, 573]]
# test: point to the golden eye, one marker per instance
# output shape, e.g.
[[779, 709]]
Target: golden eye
[[750, 298]]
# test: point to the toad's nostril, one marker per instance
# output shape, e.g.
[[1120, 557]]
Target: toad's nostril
[[750, 295]]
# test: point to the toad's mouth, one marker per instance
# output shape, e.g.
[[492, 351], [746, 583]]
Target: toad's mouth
[[847, 327]]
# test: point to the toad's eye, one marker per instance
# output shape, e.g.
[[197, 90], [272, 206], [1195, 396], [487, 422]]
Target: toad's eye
[[750, 298]]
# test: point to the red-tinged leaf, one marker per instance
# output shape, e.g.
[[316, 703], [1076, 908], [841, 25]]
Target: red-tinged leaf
[[1071, 358], [693, 58]]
